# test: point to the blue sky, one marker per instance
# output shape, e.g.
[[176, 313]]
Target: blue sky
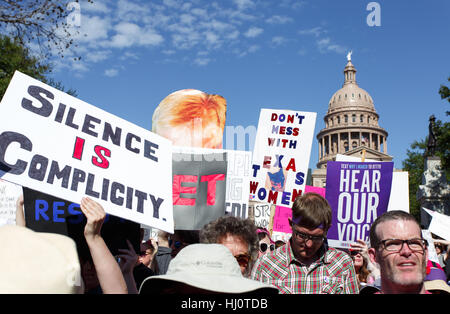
[[284, 54]]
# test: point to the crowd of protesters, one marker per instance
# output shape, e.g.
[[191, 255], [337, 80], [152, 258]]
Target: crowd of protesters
[[228, 255]]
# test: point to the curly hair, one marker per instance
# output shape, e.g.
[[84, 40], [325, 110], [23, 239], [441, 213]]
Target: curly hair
[[245, 229]]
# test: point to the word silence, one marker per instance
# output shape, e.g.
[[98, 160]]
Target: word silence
[[68, 148]]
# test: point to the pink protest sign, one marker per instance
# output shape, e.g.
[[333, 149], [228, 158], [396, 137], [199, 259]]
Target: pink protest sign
[[315, 189], [280, 219]]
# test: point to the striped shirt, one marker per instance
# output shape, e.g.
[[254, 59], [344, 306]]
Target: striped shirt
[[332, 273]]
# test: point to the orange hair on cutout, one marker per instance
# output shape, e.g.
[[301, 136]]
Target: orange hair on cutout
[[184, 108], [209, 108]]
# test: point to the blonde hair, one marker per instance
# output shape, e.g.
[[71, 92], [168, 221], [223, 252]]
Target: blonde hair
[[184, 107]]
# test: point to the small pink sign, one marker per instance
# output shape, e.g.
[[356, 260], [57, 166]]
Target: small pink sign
[[315, 189], [280, 220]]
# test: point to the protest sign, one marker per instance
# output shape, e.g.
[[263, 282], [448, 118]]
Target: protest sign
[[238, 177], [315, 189], [46, 213], [399, 197], [261, 214], [199, 186], [59, 145], [440, 224], [281, 228], [9, 194], [357, 193], [281, 155], [432, 255]]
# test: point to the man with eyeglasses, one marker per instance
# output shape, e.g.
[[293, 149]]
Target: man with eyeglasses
[[238, 235], [397, 246], [305, 264]]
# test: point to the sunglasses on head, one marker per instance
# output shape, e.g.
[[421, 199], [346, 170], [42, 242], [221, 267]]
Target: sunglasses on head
[[263, 247], [242, 259]]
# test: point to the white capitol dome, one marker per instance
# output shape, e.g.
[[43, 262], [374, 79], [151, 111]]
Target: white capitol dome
[[351, 127], [350, 96]]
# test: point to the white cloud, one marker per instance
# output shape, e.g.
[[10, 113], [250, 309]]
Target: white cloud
[[278, 40], [172, 3], [94, 7], [111, 72], [187, 18], [243, 4], [316, 31], [243, 53], [253, 32], [202, 61], [97, 56], [277, 19], [129, 34], [211, 38], [325, 45], [233, 35], [292, 4]]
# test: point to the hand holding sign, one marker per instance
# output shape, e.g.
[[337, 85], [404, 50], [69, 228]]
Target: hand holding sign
[[95, 215], [108, 272]]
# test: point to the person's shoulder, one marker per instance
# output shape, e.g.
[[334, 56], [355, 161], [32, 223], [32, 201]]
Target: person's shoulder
[[336, 255], [278, 256]]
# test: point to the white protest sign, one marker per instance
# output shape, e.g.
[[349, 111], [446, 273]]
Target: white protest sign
[[281, 155], [399, 197], [238, 177], [57, 144], [9, 194], [260, 213], [432, 255], [440, 224]]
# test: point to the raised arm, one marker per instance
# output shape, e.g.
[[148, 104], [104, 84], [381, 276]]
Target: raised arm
[[108, 270], [20, 215]]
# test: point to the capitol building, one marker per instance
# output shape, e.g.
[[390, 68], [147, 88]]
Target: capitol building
[[351, 127]]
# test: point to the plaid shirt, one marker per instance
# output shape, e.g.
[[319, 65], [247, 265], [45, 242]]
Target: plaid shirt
[[332, 273]]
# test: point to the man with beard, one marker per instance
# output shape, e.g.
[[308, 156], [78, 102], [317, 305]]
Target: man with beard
[[397, 246], [306, 264]]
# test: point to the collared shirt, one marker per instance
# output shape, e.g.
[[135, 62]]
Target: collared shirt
[[332, 273]]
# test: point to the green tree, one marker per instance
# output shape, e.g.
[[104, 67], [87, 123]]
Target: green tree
[[14, 56], [415, 161]]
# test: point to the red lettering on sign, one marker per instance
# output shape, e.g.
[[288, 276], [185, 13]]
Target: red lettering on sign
[[177, 189], [212, 179], [78, 149], [104, 162]]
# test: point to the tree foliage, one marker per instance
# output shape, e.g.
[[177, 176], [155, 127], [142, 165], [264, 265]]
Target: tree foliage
[[14, 56], [415, 161], [44, 23]]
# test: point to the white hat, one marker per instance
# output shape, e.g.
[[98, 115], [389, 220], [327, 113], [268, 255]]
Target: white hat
[[210, 267], [35, 262]]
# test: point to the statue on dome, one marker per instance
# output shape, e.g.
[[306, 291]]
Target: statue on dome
[[349, 56]]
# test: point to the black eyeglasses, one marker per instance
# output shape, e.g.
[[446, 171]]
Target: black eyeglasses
[[305, 237], [243, 259], [396, 245], [263, 247]]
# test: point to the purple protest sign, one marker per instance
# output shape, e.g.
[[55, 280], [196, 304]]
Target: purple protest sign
[[358, 192]]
